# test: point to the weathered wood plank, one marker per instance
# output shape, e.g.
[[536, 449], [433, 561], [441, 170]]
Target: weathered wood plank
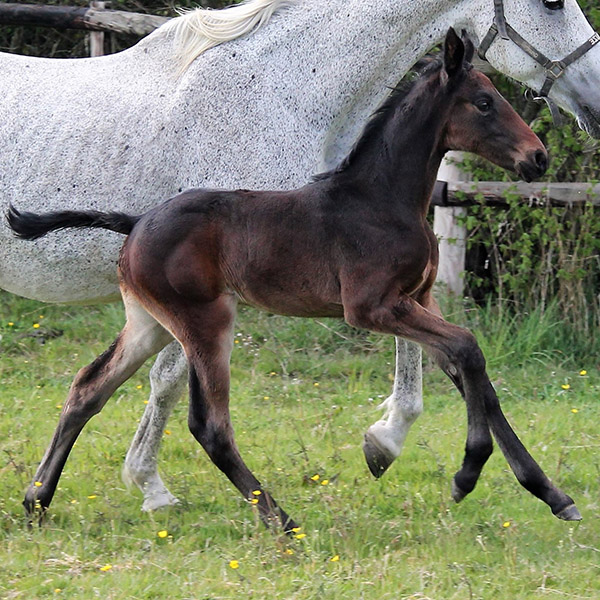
[[69, 17], [459, 193]]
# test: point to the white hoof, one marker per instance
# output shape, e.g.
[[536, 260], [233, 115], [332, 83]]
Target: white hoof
[[159, 500], [380, 448], [156, 495]]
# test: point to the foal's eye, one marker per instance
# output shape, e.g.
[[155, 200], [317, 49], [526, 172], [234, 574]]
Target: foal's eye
[[483, 105]]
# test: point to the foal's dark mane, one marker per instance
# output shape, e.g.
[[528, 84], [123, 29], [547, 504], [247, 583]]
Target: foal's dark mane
[[396, 98]]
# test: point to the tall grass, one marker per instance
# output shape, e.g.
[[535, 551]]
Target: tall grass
[[303, 393]]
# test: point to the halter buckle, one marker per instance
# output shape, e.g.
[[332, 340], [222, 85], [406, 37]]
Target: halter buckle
[[556, 69]]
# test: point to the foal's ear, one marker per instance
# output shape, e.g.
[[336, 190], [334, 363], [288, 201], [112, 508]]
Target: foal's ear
[[454, 53], [469, 47]]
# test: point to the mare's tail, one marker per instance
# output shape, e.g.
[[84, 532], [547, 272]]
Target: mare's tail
[[31, 226]]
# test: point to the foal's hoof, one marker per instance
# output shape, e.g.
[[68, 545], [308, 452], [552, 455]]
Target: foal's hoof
[[457, 493], [34, 513], [570, 513], [378, 458]]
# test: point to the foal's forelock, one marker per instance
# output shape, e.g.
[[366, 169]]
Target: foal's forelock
[[198, 30]]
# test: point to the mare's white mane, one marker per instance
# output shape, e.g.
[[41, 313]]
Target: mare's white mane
[[198, 30]]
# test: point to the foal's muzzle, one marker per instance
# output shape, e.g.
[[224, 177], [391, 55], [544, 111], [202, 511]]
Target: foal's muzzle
[[534, 166]]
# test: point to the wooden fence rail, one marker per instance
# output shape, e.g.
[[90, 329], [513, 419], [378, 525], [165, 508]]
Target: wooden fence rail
[[464, 193], [70, 17]]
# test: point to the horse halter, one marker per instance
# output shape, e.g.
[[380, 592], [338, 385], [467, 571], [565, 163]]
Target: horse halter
[[553, 68]]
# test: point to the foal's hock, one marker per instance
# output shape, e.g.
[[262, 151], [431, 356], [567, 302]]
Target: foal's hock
[[354, 243]]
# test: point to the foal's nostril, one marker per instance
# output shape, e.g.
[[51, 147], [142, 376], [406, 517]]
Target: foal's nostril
[[541, 160]]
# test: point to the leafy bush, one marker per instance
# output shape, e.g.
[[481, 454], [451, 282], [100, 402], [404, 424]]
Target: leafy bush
[[531, 256]]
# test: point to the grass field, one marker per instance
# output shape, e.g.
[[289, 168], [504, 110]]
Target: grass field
[[303, 394]]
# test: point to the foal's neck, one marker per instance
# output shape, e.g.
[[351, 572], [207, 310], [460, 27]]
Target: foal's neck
[[400, 152]]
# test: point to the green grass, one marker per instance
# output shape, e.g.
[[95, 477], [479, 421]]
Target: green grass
[[303, 393]]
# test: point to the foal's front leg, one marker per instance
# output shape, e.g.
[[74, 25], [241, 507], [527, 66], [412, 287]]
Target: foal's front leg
[[384, 440], [406, 318]]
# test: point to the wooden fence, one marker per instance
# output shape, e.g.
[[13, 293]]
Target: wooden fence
[[94, 18]]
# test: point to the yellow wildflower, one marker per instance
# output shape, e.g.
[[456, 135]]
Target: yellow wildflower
[[316, 384], [92, 496], [36, 325], [335, 558], [167, 432], [565, 386], [300, 536], [106, 568], [266, 397], [163, 533], [296, 529], [256, 492], [11, 324], [37, 483], [574, 410], [234, 564], [506, 524], [254, 501], [582, 372], [139, 387], [325, 482], [316, 477], [289, 551]]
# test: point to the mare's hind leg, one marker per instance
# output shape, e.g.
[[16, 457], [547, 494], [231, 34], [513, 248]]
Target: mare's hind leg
[[384, 439], [167, 379], [207, 339], [141, 337]]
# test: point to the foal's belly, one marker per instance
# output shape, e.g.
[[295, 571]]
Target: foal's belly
[[294, 307]]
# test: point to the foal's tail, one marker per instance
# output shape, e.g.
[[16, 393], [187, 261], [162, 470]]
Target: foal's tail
[[31, 226]]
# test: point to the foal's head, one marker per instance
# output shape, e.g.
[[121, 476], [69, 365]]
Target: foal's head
[[480, 120]]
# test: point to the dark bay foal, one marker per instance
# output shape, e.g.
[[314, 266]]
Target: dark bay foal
[[354, 244]]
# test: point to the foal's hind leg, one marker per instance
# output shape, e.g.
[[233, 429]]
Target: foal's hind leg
[[141, 337], [167, 379], [207, 339], [384, 439]]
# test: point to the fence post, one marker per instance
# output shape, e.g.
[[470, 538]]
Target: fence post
[[97, 37], [450, 233]]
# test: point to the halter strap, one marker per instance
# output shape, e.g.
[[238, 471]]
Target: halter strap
[[553, 68]]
